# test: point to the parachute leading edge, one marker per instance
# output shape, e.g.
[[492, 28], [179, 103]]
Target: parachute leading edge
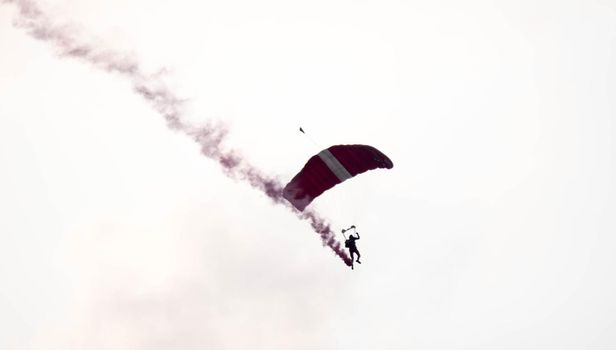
[[331, 167]]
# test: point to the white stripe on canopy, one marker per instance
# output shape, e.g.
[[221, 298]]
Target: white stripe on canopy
[[334, 165]]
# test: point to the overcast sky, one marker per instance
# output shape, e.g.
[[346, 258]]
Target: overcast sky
[[494, 230]]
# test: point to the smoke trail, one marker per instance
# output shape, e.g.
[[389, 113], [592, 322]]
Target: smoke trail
[[152, 88]]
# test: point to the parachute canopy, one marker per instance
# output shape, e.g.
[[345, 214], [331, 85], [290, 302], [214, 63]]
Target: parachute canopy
[[331, 167]]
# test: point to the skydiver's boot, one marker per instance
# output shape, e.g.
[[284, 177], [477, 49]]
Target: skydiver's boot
[[359, 262]]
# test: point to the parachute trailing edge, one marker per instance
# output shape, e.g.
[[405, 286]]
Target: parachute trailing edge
[[329, 168]]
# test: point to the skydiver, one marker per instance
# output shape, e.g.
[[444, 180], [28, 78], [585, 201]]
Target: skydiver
[[350, 243]]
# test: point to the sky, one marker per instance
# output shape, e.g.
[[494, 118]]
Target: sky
[[494, 229]]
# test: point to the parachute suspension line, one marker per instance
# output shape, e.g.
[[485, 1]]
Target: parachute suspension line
[[348, 229], [354, 216], [316, 145]]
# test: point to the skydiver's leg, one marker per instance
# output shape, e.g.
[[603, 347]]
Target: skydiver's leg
[[353, 251], [358, 256]]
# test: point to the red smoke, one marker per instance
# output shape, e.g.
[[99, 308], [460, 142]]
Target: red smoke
[[152, 88]]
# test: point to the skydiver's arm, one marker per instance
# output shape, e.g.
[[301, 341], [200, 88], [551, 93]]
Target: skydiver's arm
[[357, 233]]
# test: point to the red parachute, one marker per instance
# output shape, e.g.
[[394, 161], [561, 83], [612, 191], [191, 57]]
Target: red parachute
[[331, 167]]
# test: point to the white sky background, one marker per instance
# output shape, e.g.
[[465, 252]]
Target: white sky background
[[495, 229]]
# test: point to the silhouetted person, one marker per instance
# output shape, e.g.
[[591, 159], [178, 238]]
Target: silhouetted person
[[350, 243]]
